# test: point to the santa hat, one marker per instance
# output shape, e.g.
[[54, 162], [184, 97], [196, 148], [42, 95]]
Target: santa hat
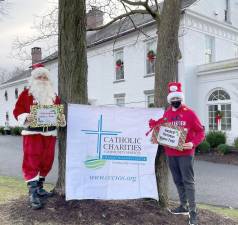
[[175, 91], [38, 70]]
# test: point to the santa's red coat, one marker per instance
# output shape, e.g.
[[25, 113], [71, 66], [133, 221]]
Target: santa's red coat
[[38, 148]]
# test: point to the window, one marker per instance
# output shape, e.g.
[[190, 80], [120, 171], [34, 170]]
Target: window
[[119, 99], [6, 95], [119, 64], [149, 95], [7, 116], [209, 49], [16, 93], [150, 56], [219, 110], [236, 50], [150, 101], [219, 95]]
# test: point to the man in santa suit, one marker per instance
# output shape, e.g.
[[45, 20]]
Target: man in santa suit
[[38, 143]]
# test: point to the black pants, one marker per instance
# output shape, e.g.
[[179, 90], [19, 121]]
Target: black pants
[[181, 168]]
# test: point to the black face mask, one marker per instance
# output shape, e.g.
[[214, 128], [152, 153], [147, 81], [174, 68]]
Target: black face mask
[[176, 104]]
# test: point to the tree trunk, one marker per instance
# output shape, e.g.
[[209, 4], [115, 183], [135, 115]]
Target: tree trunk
[[72, 68], [165, 72]]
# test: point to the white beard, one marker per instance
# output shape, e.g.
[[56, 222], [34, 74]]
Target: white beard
[[42, 91]]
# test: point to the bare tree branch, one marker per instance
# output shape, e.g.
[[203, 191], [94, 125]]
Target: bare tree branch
[[141, 3], [47, 31], [47, 25], [118, 32], [8, 74], [157, 5], [119, 18], [137, 3], [137, 28]]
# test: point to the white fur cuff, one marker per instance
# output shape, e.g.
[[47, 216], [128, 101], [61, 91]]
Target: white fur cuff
[[22, 119]]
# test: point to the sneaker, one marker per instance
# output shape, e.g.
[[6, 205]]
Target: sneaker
[[193, 218], [180, 210]]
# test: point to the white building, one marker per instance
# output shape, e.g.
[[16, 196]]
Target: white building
[[122, 72]]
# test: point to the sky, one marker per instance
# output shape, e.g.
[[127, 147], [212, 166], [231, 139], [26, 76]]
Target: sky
[[18, 22]]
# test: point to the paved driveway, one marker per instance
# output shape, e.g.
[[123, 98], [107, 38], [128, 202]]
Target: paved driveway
[[217, 184]]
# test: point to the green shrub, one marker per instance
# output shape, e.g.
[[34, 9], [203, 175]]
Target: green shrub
[[223, 148], [1, 130], [16, 131], [236, 143], [151, 105], [204, 147], [216, 138]]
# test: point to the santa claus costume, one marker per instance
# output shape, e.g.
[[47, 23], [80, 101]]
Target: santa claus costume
[[38, 143]]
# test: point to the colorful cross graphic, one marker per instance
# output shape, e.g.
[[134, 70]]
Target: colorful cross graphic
[[100, 132]]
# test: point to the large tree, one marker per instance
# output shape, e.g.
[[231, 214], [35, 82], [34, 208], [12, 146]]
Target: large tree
[[166, 70], [72, 67]]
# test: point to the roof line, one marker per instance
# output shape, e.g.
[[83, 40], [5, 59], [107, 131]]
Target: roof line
[[12, 83], [120, 34]]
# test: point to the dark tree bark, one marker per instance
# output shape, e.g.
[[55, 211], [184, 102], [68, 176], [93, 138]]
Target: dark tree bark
[[166, 71], [72, 68]]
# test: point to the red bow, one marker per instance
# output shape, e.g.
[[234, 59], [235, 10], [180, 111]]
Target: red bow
[[151, 57], [218, 118], [154, 123], [118, 66]]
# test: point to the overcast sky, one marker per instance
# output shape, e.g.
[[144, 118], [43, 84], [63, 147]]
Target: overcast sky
[[19, 21]]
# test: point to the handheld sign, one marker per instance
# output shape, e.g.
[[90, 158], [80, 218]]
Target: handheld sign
[[46, 115], [170, 135]]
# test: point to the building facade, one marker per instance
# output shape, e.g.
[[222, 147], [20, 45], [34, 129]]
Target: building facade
[[121, 67]]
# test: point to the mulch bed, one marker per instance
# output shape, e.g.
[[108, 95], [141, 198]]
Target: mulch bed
[[230, 158], [94, 212]]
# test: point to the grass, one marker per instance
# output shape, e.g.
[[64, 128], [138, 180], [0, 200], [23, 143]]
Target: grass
[[227, 212], [13, 188]]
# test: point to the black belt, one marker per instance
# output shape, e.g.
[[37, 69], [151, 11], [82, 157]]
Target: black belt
[[41, 129]]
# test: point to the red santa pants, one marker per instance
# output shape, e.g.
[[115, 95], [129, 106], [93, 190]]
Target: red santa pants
[[38, 155]]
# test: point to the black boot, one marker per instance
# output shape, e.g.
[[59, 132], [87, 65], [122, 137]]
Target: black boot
[[41, 191], [34, 199]]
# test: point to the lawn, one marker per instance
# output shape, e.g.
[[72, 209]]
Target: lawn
[[14, 209], [13, 188], [227, 212]]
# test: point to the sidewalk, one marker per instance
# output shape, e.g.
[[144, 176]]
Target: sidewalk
[[216, 184]]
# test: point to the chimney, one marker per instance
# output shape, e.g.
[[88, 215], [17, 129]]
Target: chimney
[[94, 17], [36, 55]]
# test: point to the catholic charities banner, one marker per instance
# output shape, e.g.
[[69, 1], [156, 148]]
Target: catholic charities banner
[[108, 154]]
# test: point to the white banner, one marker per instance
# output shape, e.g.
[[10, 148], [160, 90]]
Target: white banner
[[108, 154]]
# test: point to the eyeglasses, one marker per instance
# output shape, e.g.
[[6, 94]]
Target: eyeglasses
[[42, 77]]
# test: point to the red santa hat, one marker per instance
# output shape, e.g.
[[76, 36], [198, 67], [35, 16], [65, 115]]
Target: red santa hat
[[175, 91], [38, 70]]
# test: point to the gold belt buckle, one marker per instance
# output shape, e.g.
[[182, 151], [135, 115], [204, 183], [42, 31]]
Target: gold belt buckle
[[45, 129]]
